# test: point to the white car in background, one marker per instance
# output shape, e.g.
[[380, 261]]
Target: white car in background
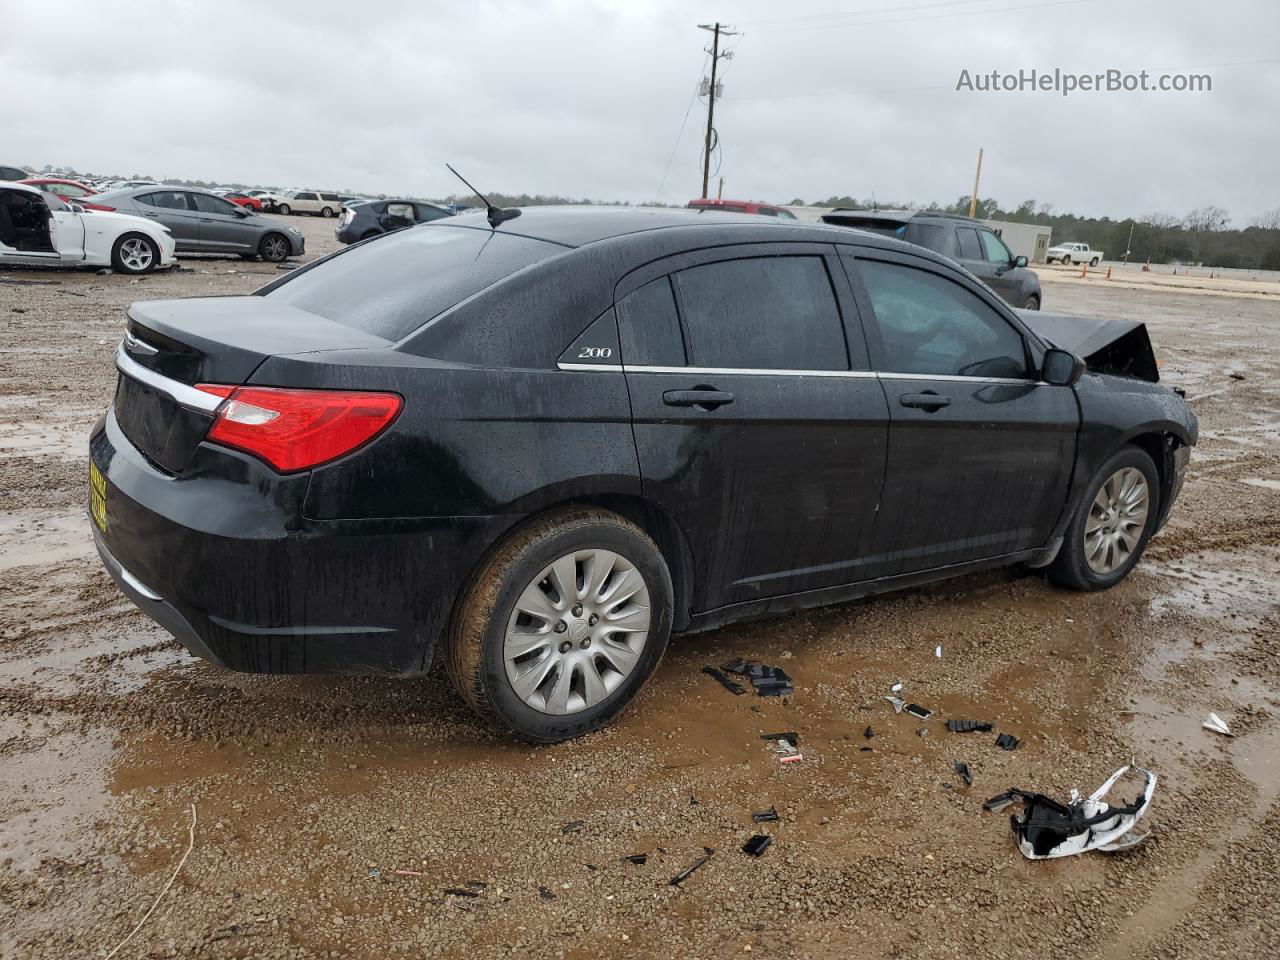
[[1069, 253], [40, 228], [309, 201]]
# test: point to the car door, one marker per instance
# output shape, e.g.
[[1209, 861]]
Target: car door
[[980, 451], [758, 425], [175, 210], [66, 230], [1005, 277], [27, 227], [223, 229], [306, 202]]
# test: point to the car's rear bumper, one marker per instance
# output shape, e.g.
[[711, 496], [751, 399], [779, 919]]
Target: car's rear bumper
[[223, 559]]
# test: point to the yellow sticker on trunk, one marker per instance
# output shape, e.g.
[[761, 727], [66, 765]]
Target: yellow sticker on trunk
[[98, 497]]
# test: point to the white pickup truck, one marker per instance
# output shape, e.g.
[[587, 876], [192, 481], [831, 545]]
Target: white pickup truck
[[1069, 253]]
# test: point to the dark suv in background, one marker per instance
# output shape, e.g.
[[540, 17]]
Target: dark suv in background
[[969, 242], [360, 221]]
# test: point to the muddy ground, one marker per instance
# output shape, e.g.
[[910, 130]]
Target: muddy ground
[[310, 793]]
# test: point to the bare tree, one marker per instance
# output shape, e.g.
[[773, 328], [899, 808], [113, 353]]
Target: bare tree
[[1267, 221], [1201, 222]]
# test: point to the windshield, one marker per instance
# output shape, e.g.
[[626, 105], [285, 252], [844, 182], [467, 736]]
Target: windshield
[[396, 283]]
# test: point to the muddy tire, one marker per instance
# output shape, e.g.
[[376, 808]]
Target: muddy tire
[[135, 253], [546, 640], [1112, 523]]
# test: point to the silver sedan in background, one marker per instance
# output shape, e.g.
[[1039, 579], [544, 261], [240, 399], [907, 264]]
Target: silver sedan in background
[[202, 222]]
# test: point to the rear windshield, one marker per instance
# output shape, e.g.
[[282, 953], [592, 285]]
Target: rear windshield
[[393, 285]]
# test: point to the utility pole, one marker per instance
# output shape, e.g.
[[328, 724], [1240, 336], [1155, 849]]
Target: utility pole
[[973, 197], [716, 30], [1128, 247]]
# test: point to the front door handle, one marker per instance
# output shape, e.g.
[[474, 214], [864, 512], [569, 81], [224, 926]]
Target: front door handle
[[703, 398], [927, 401]]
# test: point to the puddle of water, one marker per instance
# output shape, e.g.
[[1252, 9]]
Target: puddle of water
[[34, 537], [1260, 482], [1216, 586]]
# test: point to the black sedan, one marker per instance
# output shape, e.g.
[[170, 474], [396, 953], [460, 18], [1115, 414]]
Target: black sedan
[[372, 218], [540, 449], [202, 222]]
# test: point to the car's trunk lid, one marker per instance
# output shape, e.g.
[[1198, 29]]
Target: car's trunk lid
[[172, 345]]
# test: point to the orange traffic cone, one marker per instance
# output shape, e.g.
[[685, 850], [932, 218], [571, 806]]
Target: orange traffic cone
[[1108, 273]]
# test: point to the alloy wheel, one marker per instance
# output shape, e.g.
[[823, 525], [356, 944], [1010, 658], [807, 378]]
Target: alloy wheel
[[135, 255], [1117, 519], [577, 631], [273, 248]]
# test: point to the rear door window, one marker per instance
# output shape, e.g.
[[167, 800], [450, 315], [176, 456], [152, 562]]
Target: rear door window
[[393, 287], [649, 326], [967, 245], [927, 324], [166, 199], [776, 313]]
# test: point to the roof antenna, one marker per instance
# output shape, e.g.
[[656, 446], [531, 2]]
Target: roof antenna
[[495, 215]]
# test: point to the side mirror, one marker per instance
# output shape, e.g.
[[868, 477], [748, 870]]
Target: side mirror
[[1061, 368], [1019, 261], [76, 208]]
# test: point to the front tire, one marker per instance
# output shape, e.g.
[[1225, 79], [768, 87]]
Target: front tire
[[1066, 261], [134, 254], [1112, 524], [562, 625], [273, 248]]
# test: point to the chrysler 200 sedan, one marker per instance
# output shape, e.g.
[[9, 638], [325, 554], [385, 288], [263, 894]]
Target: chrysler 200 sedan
[[542, 448]]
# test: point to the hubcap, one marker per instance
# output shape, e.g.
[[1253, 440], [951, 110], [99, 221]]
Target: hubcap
[[577, 631], [135, 254], [1117, 517]]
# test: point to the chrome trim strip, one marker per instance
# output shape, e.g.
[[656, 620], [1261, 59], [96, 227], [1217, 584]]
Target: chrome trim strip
[[138, 585], [180, 393], [724, 371], [563, 365], [1023, 381], [133, 345]]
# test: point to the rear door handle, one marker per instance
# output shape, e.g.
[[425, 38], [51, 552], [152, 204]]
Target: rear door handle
[[704, 399], [927, 401]]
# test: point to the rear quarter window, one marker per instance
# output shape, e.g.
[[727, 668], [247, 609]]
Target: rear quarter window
[[393, 287]]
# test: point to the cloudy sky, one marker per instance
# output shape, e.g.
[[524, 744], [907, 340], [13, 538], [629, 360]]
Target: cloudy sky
[[586, 98]]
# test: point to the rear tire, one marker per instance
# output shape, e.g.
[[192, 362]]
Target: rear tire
[[1066, 261], [135, 254], [274, 248], [1093, 262], [1084, 562], [327, 212], [1032, 303], [285, 209], [370, 234], [573, 671]]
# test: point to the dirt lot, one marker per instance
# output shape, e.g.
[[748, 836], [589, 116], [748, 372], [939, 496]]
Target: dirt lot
[[311, 792]]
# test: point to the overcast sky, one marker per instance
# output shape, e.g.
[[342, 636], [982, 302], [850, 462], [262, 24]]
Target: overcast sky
[[585, 98]]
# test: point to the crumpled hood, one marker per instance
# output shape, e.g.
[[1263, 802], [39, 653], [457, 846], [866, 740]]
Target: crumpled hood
[[1121, 347]]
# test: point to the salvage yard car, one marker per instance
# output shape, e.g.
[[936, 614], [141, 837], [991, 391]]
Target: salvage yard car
[[363, 220], [308, 201], [41, 228], [969, 242], [1068, 253], [202, 222], [538, 449]]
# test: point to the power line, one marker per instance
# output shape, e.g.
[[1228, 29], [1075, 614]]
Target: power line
[[943, 16], [867, 12], [687, 111]]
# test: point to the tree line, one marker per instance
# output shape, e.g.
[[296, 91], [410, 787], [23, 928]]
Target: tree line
[[1203, 236]]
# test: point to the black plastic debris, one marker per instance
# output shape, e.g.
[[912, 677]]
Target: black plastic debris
[[757, 844], [573, 826], [767, 681], [545, 894], [461, 892], [998, 802], [1006, 741], [639, 859], [962, 769], [732, 686], [968, 726], [789, 735], [917, 711], [866, 749], [687, 872], [868, 733], [764, 816]]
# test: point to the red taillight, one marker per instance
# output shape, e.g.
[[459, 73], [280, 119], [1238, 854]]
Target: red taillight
[[95, 206], [298, 429]]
